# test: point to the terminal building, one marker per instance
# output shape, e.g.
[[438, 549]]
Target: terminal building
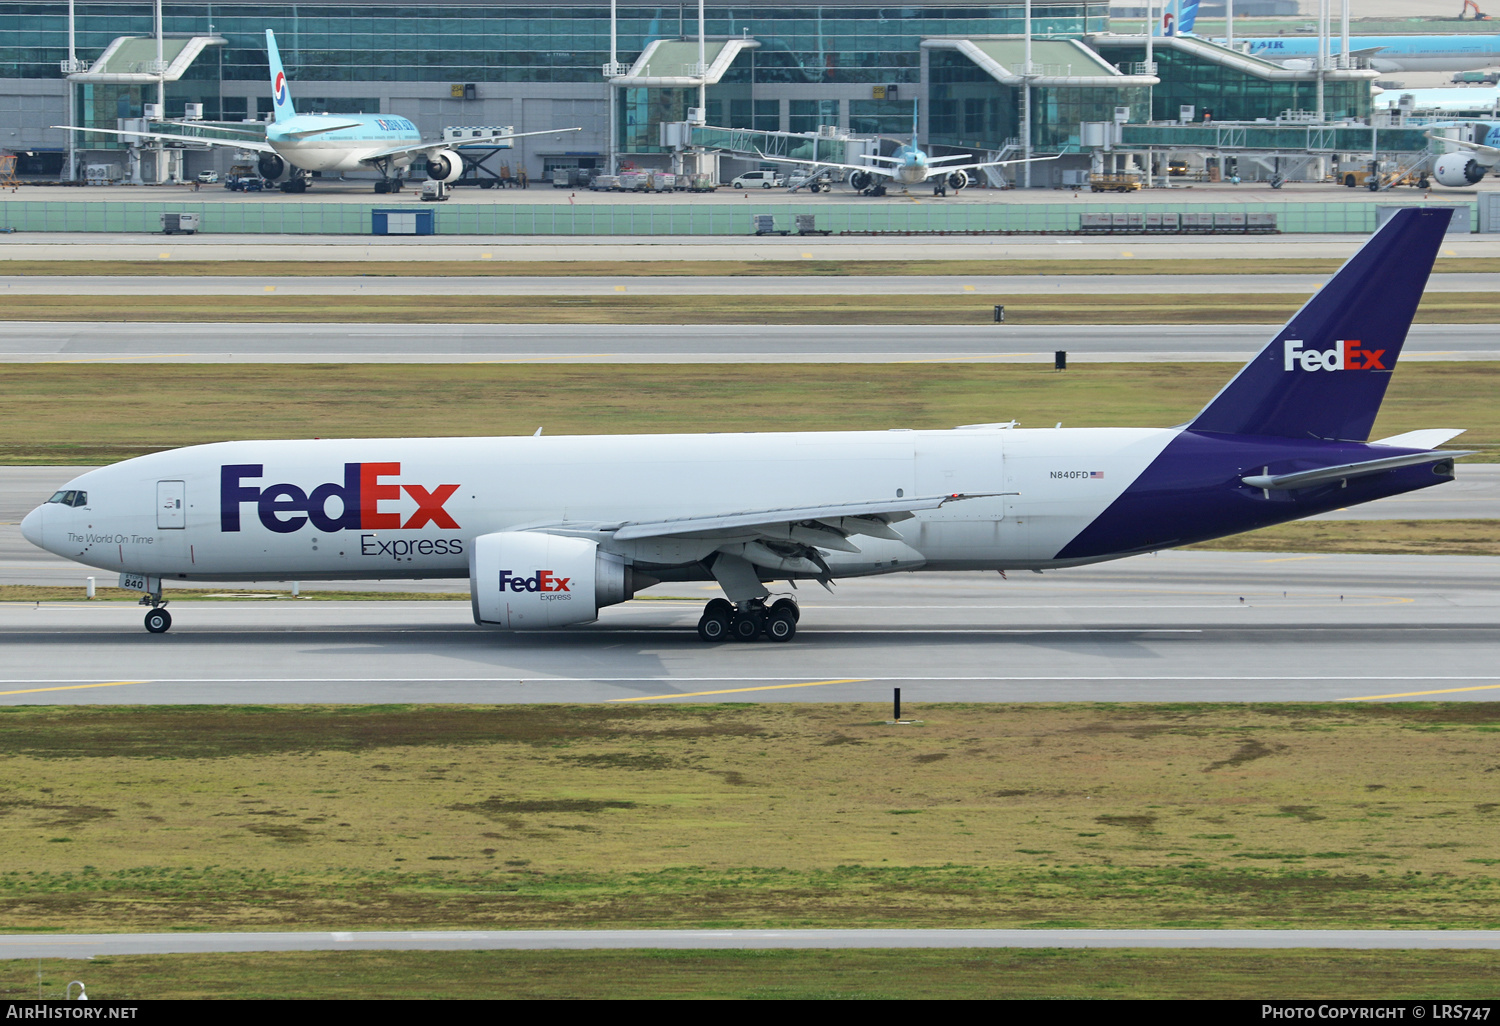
[[961, 67]]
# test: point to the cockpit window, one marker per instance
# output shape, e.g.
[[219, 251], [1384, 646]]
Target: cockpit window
[[71, 497]]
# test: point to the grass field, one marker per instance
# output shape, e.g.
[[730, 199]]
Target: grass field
[[807, 975], [1389, 537], [760, 815], [84, 414], [968, 308], [175, 266]]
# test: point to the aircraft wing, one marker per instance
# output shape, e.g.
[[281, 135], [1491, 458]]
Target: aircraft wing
[[258, 145], [1490, 154], [954, 156], [871, 517], [874, 169], [1326, 475], [309, 133], [444, 144], [949, 169]]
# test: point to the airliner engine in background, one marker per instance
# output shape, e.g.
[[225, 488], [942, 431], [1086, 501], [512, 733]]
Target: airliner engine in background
[[1477, 150], [550, 529], [297, 144]]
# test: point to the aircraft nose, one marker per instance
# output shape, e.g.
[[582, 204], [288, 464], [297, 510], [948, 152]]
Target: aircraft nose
[[32, 526]]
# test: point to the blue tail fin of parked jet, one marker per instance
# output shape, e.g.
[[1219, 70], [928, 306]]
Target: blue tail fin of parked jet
[[281, 90], [1186, 16], [1325, 373]]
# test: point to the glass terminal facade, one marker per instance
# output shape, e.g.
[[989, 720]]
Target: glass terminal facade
[[860, 67]]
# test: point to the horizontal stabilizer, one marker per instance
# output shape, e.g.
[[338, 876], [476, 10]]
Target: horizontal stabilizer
[[1426, 438], [1325, 475]]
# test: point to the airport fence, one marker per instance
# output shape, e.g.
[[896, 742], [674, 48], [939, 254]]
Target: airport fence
[[275, 217]]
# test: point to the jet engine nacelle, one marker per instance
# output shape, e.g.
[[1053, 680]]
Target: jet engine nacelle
[[1457, 170], [521, 580], [958, 180], [274, 169], [444, 166], [859, 181]]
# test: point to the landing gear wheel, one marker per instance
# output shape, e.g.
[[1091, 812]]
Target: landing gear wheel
[[158, 620], [382, 187], [713, 628], [745, 628], [781, 625], [719, 607], [788, 604]]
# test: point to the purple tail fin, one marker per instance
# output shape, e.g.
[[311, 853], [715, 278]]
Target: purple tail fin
[[1325, 373]]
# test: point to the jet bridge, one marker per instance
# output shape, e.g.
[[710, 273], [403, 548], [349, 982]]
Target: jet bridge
[[1284, 148]]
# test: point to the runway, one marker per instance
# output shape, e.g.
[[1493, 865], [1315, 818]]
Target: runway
[[103, 945], [1179, 626], [706, 285], [89, 342]]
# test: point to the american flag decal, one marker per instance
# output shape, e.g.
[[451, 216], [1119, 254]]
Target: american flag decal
[[1096, 473]]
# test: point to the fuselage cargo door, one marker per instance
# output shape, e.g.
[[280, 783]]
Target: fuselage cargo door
[[969, 462], [171, 505]]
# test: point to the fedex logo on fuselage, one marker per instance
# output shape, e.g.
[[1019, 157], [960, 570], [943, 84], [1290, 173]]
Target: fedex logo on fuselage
[[1345, 355], [284, 508], [545, 581]]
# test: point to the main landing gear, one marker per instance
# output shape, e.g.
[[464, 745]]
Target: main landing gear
[[158, 620], [722, 621]]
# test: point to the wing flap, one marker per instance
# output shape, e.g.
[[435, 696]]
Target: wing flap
[[849, 517]]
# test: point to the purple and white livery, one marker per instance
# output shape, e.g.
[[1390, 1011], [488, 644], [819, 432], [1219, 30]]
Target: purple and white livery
[[550, 529]]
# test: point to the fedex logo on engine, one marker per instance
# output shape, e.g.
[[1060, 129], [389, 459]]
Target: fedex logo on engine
[[1345, 355], [544, 581], [285, 508]]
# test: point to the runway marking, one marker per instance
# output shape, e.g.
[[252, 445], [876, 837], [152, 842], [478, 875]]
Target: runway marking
[[73, 687], [104, 358], [736, 691], [1289, 559], [1418, 694]]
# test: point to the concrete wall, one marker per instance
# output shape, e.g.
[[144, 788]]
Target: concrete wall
[[625, 218]]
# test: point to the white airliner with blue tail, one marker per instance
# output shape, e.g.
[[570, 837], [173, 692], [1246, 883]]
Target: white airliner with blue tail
[[550, 529], [1450, 52], [909, 165], [297, 144]]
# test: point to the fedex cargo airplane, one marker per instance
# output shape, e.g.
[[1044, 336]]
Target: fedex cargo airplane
[[550, 529], [296, 144]]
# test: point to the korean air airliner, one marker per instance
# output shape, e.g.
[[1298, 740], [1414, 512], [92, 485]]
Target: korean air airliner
[[297, 144], [548, 530]]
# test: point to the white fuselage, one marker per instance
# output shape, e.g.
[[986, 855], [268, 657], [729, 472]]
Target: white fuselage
[[180, 514], [345, 148]]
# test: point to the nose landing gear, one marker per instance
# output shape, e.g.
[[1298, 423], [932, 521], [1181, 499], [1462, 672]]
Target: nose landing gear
[[158, 620], [722, 620]]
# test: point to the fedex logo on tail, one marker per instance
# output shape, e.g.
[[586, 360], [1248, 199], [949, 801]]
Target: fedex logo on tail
[[1345, 355], [285, 508]]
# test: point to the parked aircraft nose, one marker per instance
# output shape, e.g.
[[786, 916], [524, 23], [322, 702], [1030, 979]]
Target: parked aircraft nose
[[31, 526]]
